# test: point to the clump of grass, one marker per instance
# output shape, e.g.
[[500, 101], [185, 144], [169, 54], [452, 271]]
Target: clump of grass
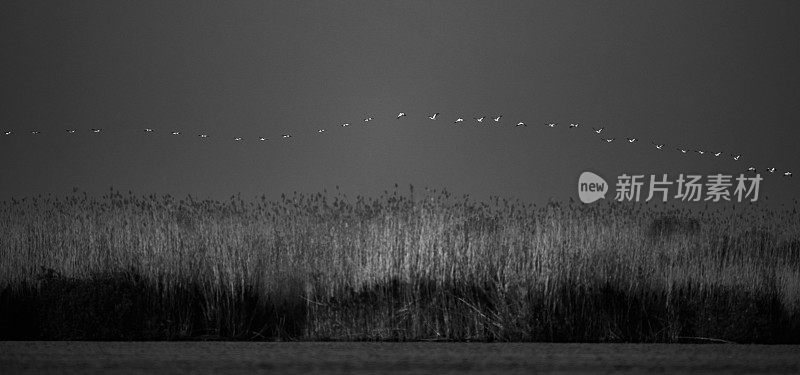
[[398, 267]]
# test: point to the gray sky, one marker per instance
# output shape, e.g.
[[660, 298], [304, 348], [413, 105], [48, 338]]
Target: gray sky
[[713, 75]]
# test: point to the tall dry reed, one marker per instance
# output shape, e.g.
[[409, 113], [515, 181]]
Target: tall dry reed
[[399, 267]]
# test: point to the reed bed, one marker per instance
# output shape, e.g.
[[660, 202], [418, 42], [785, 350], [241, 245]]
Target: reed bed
[[402, 266]]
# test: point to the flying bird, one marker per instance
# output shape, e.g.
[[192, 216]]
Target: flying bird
[[479, 119], [631, 140], [574, 125], [609, 140], [7, 132], [401, 114], [751, 169], [787, 174], [683, 151], [658, 145], [368, 119], [287, 136], [149, 130], [96, 130], [497, 119], [737, 157], [35, 132], [321, 131], [70, 131], [262, 139], [701, 152], [521, 124], [203, 135], [716, 154], [771, 170], [598, 131], [552, 124], [458, 120], [433, 116], [345, 125], [176, 133], [237, 139]]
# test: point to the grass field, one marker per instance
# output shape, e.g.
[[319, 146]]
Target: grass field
[[403, 266]]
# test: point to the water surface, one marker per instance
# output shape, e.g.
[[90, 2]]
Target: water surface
[[395, 358]]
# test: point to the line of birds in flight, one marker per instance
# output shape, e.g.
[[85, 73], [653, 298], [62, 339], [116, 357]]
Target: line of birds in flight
[[497, 119]]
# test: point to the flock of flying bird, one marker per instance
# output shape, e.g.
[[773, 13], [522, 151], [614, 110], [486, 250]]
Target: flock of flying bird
[[481, 119]]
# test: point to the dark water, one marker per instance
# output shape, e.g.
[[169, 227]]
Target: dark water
[[395, 358]]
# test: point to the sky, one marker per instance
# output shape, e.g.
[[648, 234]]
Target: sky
[[710, 75]]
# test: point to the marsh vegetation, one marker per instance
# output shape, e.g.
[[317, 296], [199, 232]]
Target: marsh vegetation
[[402, 266]]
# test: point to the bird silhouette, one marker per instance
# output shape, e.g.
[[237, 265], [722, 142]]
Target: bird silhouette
[[401, 114], [598, 131], [787, 174], [96, 130], [497, 119], [203, 135], [237, 139], [631, 140], [751, 169], [658, 145], [716, 154], [345, 125], [520, 124], [71, 131], [552, 124], [479, 119], [458, 120], [737, 157], [34, 132], [682, 150], [287, 136], [701, 152], [8, 132], [771, 170], [176, 133], [321, 131], [433, 116], [574, 125], [368, 119], [609, 140], [262, 139], [148, 130]]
